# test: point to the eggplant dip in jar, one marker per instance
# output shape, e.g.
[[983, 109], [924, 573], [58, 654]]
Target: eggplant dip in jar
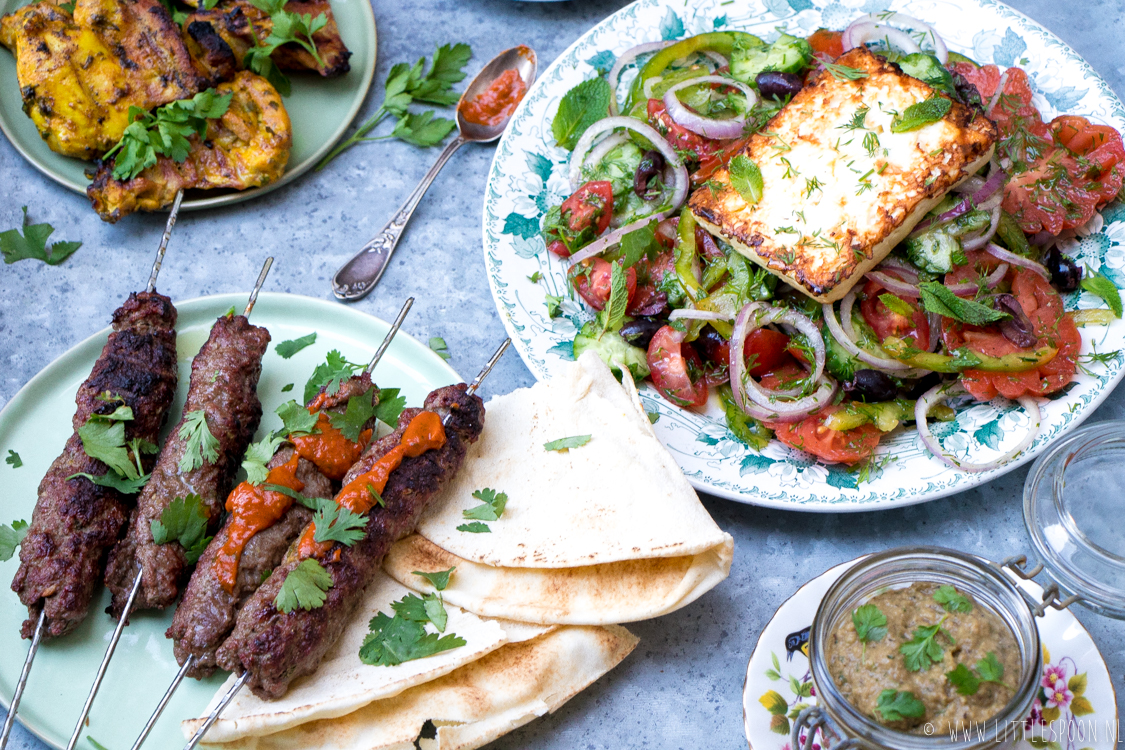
[[926, 659]]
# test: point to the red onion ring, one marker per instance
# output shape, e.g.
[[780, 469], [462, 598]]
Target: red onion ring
[[943, 391], [977, 199], [862, 32], [971, 287], [716, 58], [897, 286], [752, 317], [1017, 260], [708, 127], [934, 321], [650, 85], [983, 239], [578, 158], [999, 93], [609, 239], [896, 264], [690, 313], [624, 59], [605, 145], [846, 337], [941, 52]]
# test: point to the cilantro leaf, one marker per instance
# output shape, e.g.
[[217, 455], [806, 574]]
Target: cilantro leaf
[[287, 349], [1100, 285], [105, 441], [952, 601], [390, 406], [613, 316], [202, 447], [12, 536], [330, 375], [351, 422], [113, 480], [896, 706], [990, 668], [32, 244], [286, 388], [921, 114], [476, 527], [937, 298], [923, 650], [746, 178], [402, 638], [258, 455], [423, 129], [580, 108], [184, 521], [411, 607], [435, 610], [439, 579], [897, 304], [337, 523], [870, 623], [97, 745], [439, 347], [491, 507], [638, 244], [13, 459], [305, 586], [564, 444], [963, 680], [296, 420]]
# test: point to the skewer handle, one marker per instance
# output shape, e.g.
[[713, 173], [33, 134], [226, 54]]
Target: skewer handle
[[105, 662], [164, 702], [390, 334], [15, 705], [218, 710], [164, 240], [258, 286]]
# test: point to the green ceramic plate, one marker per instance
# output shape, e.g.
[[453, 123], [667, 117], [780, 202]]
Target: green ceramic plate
[[36, 424], [320, 109]]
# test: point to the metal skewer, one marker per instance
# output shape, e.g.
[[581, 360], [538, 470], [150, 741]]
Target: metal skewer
[[123, 620], [383, 346], [245, 676], [42, 622]]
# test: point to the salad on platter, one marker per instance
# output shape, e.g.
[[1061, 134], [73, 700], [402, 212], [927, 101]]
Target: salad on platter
[[833, 235]]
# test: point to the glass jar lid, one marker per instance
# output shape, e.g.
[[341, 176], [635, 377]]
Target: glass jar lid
[[1072, 504]]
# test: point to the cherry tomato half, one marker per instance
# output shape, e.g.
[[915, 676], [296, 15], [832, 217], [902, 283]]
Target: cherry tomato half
[[591, 204], [673, 364], [886, 322], [592, 281]]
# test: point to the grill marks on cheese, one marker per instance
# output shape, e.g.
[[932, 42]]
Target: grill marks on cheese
[[840, 191]]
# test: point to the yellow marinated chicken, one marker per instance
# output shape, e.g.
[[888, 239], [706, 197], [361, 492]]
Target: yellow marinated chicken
[[80, 74], [219, 38], [247, 147]]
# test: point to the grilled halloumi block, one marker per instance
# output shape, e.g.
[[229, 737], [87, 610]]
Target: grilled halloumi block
[[840, 190]]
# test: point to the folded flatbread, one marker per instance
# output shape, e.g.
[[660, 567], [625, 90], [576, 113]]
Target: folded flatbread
[[344, 683], [472, 705], [608, 532]]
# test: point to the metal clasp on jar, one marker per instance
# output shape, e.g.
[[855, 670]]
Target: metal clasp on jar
[[1051, 595], [814, 718]]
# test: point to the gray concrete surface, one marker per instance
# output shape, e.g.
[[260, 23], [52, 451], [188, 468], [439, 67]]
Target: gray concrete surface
[[682, 687]]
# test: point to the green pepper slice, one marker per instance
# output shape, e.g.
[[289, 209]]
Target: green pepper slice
[[966, 359], [717, 41]]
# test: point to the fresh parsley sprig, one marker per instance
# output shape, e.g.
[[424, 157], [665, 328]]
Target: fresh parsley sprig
[[952, 600], [893, 705], [184, 521], [285, 27], [923, 650], [305, 586], [164, 132], [12, 536], [351, 423], [32, 244], [202, 446], [402, 638], [409, 84], [337, 523]]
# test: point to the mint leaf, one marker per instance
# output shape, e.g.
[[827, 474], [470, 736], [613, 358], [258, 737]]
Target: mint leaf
[[921, 114], [580, 108], [613, 316], [305, 586], [746, 178], [640, 243], [897, 304], [937, 298], [287, 349]]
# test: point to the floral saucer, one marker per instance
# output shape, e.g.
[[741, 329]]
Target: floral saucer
[[1076, 709]]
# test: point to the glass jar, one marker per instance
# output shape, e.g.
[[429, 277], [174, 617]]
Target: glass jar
[[1072, 500], [842, 725]]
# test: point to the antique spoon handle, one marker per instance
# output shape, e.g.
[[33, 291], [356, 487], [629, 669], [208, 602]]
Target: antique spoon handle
[[359, 275]]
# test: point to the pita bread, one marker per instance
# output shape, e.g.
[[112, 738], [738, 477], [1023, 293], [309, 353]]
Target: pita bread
[[344, 683], [619, 497], [471, 706]]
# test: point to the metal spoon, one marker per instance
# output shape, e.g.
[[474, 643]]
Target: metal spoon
[[359, 275]]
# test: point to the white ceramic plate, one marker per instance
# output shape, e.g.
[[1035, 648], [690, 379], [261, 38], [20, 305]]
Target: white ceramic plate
[[529, 175], [779, 673], [36, 424]]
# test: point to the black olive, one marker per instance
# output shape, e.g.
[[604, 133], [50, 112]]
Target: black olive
[[871, 385], [778, 85], [1065, 273], [639, 331], [1018, 328], [652, 164], [922, 384], [712, 346]]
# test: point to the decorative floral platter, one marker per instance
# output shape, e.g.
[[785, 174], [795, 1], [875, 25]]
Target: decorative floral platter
[[1076, 708], [529, 174]]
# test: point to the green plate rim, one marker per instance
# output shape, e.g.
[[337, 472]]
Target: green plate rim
[[291, 174], [85, 352]]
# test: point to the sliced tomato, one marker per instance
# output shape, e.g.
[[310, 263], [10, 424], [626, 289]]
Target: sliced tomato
[[592, 282], [710, 165], [591, 204], [693, 146], [558, 247], [827, 42], [766, 351], [886, 322], [834, 446], [676, 368], [1043, 306], [649, 300], [1061, 172]]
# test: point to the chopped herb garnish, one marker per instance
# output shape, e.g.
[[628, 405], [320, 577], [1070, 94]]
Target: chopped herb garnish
[[336, 523], [438, 579], [952, 601], [896, 706], [258, 455], [491, 507], [13, 459], [923, 650], [32, 244], [437, 344], [305, 586], [10, 538], [476, 527], [202, 447], [351, 423], [183, 521], [287, 349], [296, 420], [402, 638], [564, 444], [921, 114]]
